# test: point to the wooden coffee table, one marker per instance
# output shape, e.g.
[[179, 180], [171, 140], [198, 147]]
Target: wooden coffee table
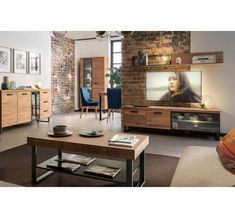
[[130, 160]]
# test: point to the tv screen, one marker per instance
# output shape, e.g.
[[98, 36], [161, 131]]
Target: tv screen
[[174, 86]]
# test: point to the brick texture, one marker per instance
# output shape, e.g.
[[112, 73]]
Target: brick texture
[[63, 72], [153, 43]]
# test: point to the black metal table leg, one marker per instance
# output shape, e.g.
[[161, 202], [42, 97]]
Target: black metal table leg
[[59, 153], [142, 168], [100, 107], [129, 173], [34, 165]]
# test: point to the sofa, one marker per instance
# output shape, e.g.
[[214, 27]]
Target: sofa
[[201, 167]]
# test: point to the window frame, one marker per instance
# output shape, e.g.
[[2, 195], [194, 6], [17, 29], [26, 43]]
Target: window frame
[[112, 53]]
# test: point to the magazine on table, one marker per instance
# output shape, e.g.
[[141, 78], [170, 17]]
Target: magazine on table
[[103, 170], [77, 159], [126, 140], [64, 166]]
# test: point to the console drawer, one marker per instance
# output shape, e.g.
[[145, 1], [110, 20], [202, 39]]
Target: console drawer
[[158, 119], [133, 117]]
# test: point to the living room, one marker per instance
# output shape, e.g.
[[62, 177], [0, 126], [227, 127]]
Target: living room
[[169, 154]]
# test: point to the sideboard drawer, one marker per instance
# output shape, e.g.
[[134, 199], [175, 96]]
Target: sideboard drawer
[[158, 119]]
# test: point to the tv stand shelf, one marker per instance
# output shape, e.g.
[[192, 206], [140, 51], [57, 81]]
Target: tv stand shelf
[[172, 118]]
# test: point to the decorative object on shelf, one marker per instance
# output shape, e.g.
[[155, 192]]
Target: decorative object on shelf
[[20, 61], [142, 58], [5, 60], [34, 63], [178, 60], [12, 84], [204, 59], [5, 84], [208, 102], [38, 84]]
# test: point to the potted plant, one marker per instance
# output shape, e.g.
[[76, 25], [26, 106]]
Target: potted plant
[[114, 75]]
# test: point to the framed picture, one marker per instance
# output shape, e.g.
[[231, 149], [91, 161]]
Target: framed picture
[[34, 63], [5, 60], [20, 61]]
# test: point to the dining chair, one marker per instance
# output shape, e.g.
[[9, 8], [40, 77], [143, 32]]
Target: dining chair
[[87, 101], [114, 100]]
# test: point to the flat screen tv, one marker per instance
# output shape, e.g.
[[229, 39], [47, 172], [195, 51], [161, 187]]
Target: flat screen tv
[[174, 86]]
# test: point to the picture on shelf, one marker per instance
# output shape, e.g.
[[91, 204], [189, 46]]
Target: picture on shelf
[[20, 61], [174, 86], [5, 60], [34, 63]]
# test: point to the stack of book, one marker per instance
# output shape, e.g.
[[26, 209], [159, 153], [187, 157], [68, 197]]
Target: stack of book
[[125, 140], [76, 159], [69, 167], [102, 170]]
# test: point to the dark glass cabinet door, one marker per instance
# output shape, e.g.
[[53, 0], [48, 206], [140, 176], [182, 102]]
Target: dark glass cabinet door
[[87, 73], [203, 122]]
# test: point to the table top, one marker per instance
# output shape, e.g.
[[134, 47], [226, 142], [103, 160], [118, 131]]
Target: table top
[[103, 93], [89, 145]]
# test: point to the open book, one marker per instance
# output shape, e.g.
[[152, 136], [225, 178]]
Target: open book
[[77, 159], [102, 170], [126, 140]]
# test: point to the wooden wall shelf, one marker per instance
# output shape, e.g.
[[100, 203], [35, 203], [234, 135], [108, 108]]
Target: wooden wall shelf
[[156, 62]]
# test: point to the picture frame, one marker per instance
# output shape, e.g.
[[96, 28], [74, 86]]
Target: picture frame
[[34, 63], [20, 61], [5, 59]]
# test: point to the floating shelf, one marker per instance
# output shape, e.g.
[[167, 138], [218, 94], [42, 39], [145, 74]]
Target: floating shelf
[[156, 62]]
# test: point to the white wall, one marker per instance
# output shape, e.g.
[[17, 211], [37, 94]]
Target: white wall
[[88, 48], [35, 41], [219, 80]]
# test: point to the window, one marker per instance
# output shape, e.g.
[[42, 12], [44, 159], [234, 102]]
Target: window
[[116, 53]]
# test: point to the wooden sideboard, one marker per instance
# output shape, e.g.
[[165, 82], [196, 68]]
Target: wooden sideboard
[[172, 118], [16, 106]]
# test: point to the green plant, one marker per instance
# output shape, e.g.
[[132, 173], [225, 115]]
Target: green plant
[[114, 75]]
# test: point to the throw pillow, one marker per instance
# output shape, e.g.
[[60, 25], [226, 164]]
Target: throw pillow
[[226, 157], [229, 141]]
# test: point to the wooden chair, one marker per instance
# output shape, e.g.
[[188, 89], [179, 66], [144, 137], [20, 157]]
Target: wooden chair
[[87, 101], [114, 101]]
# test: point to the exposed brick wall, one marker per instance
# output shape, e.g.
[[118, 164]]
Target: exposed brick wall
[[62, 64], [153, 43]]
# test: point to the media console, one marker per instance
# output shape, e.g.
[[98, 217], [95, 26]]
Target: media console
[[172, 118]]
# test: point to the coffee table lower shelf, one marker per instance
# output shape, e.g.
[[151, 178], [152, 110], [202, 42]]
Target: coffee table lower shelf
[[125, 176]]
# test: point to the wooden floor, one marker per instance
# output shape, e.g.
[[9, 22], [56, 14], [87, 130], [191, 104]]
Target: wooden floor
[[160, 143]]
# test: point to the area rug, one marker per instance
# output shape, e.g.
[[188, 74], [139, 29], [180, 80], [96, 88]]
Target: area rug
[[15, 167]]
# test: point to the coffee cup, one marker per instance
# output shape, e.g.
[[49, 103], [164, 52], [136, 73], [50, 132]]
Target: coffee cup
[[60, 129]]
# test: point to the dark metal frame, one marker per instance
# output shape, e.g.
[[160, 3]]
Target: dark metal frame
[[130, 171]]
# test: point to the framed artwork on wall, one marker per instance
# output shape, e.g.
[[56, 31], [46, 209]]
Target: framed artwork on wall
[[34, 63], [20, 61], [5, 60]]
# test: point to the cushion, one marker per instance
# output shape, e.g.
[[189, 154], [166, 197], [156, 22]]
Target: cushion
[[226, 157], [226, 151], [229, 141]]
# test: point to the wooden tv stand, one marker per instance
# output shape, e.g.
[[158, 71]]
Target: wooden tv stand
[[172, 118]]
